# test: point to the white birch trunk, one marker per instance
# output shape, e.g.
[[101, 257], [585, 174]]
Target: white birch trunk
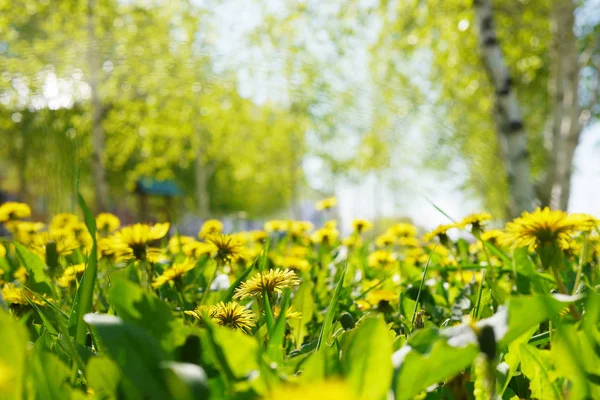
[[567, 122], [511, 130]]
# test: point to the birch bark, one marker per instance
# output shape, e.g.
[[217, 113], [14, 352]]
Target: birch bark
[[510, 127]]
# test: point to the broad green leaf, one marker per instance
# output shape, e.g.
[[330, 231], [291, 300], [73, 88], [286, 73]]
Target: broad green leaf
[[570, 351], [133, 304], [194, 378], [512, 358], [239, 350], [103, 376], [50, 377], [536, 366], [82, 304], [416, 371], [135, 351], [13, 357], [367, 359], [36, 267], [331, 311], [303, 303]]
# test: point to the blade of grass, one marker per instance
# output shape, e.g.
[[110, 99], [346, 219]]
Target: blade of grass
[[82, 303], [268, 311], [277, 335], [328, 323], [440, 210], [231, 291], [421, 284]]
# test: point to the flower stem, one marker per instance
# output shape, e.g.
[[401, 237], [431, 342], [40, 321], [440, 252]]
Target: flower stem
[[563, 289], [214, 275]]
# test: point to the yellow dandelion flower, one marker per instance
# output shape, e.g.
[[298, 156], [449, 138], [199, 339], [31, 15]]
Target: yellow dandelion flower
[[23, 231], [375, 297], [476, 221], [233, 315], [403, 229], [290, 314], [544, 228], [363, 305], [385, 240], [330, 390], [176, 271], [70, 275], [352, 241], [408, 241], [137, 237], [21, 274], [381, 259], [441, 232], [273, 281], [199, 311], [17, 295], [63, 220], [326, 204], [107, 223], [11, 211], [258, 236], [62, 241], [210, 227], [331, 224], [226, 248], [297, 251], [276, 225], [492, 236], [361, 225], [325, 236], [299, 228], [293, 263], [177, 242], [197, 249], [2, 251]]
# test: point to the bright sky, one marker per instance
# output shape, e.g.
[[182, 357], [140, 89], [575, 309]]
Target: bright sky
[[260, 76]]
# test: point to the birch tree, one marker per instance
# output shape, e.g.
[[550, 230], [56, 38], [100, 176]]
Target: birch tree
[[515, 85], [507, 113]]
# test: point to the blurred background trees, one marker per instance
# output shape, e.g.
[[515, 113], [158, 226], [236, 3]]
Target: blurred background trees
[[253, 106]]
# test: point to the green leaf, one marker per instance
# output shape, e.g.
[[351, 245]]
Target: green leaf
[[331, 311], [103, 376], [194, 378], [417, 371], [135, 351], [367, 358], [13, 339], [574, 357], [39, 281], [228, 295], [269, 318], [303, 303], [535, 364], [82, 304], [512, 358], [133, 304], [50, 377], [277, 334]]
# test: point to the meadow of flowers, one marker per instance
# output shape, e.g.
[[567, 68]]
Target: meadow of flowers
[[94, 309]]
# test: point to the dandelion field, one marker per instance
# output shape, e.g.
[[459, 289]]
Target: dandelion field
[[93, 309]]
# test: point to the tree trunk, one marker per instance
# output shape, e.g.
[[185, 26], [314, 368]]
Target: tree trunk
[[98, 170], [510, 127], [567, 123]]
